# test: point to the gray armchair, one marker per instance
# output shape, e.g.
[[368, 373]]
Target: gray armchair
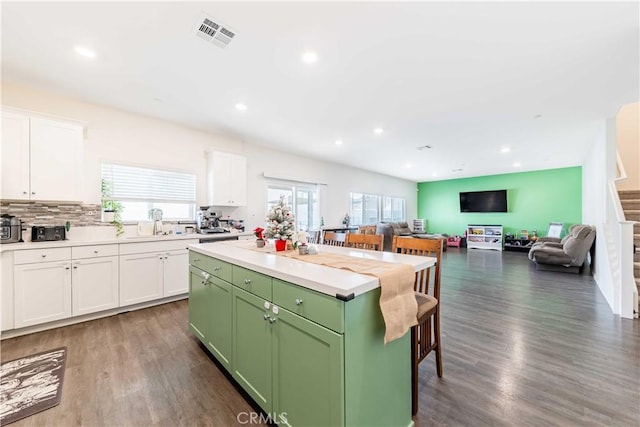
[[569, 254]]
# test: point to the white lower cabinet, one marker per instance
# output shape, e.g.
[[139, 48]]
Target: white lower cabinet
[[94, 278], [57, 283], [42, 292], [176, 272], [45, 285], [140, 278], [6, 290], [151, 271], [95, 285]]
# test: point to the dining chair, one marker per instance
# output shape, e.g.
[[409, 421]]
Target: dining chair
[[332, 238], [425, 336], [364, 241], [313, 236]]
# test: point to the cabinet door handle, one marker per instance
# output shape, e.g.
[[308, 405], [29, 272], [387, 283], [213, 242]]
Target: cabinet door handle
[[196, 260], [272, 319], [24, 192], [298, 301], [95, 252], [67, 268], [33, 192], [247, 281], [217, 268], [75, 267], [44, 255], [266, 317]]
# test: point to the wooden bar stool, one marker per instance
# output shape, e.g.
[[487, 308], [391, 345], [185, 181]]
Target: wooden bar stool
[[313, 236], [365, 241], [425, 336], [332, 238]]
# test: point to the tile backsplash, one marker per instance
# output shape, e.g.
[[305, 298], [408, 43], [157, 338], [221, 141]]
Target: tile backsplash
[[52, 213]]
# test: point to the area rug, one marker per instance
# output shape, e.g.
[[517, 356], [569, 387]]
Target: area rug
[[31, 384]]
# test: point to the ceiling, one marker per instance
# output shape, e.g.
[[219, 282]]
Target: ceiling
[[467, 79]]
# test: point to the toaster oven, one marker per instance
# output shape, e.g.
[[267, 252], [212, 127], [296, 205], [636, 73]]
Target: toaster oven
[[41, 233]]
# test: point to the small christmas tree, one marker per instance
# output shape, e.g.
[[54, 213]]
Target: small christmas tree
[[280, 221]]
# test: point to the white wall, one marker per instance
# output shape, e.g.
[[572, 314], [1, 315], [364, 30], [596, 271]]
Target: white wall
[[340, 180], [628, 138], [121, 136], [597, 169]]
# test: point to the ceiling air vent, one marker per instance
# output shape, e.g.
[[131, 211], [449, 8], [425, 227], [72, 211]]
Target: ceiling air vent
[[211, 30], [423, 147]]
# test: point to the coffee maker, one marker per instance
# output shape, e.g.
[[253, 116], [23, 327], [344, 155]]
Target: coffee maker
[[208, 221]]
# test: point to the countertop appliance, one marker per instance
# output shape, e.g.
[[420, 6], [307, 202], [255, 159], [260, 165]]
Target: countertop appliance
[[10, 229], [156, 215], [208, 221], [41, 233], [211, 221], [145, 228]]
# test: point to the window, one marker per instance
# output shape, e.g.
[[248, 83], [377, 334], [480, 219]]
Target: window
[[140, 189], [303, 199], [370, 208]]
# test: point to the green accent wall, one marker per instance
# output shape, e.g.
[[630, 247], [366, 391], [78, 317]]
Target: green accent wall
[[534, 200]]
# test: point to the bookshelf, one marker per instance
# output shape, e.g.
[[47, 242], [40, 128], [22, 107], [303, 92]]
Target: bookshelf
[[484, 237]]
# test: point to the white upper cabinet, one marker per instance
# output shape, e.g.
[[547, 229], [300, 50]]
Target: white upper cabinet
[[226, 179], [14, 147], [41, 158]]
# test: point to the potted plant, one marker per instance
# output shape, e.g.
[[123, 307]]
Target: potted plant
[[280, 224], [258, 232], [301, 242], [111, 209]]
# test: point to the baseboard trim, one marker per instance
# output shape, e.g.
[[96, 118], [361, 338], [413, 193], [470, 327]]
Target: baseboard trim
[[12, 333]]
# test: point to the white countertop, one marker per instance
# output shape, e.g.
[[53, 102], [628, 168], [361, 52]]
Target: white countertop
[[328, 280], [101, 240]]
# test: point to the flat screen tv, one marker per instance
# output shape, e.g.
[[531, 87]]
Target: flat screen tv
[[483, 201]]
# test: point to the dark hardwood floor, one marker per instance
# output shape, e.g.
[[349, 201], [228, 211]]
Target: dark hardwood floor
[[520, 347]]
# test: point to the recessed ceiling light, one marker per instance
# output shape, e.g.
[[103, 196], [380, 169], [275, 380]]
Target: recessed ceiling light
[[83, 51], [338, 142], [505, 149], [435, 174], [516, 165], [310, 57], [378, 131], [407, 166], [241, 107]]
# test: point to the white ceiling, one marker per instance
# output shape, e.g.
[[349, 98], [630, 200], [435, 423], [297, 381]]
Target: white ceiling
[[465, 78]]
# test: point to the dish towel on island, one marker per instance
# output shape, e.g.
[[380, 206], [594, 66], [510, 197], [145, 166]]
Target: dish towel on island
[[397, 297]]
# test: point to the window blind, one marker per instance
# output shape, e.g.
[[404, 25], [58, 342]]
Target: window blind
[[132, 183]]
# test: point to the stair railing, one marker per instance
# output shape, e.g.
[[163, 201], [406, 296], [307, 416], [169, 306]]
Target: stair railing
[[621, 173], [621, 232]]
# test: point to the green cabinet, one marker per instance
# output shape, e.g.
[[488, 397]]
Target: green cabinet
[[219, 340], [306, 358], [289, 365], [210, 313], [252, 349], [308, 372], [199, 303]]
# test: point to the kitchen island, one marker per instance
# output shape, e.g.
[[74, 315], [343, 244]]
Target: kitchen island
[[305, 341]]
